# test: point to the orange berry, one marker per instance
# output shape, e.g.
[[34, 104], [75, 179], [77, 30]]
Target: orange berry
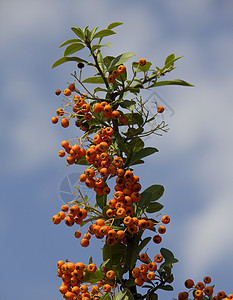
[[60, 263], [56, 220], [143, 257], [200, 286], [75, 290], [158, 258], [124, 120], [84, 243], [157, 239], [198, 294], [120, 234], [61, 215], [111, 78], [142, 62], [115, 115], [121, 212], [83, 288], [165, 219], [152, 266], [135, 272], [189, 283], [74, 209], [60, 112], [90, 173], [65, 208], [97, 108], [70, 160], [77, 234], [67, 92], [143, 269], [138, 281], [115, 73], [133, 229], [160, 109], [64, 122], [79, 266], [121, 69], [71, 87], [54, 120], [208, 290], [61, 153], [85, 108], [58, 92], [110, 274], [91, 268], [162, 229], [110, 213], [207, 279], [118, 161], [151, 276], [107, 288], [221, 294], [87, 236]]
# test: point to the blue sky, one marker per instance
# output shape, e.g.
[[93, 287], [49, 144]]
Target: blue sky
[[194, 162]]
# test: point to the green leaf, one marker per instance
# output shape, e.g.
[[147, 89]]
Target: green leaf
[[144, 68], [104, 263], [166, 287], [78, 31], [99, 89], [143, 203], [114, 24], [120, 141], [156, 191], [100, 61], [134, 118], [169, 258], [105, 297], [144, 243], [128, 104], [93, 80], [151, 296], [120, 59], [87, 33], [124, 295], [101, 200], [73, 48], [169, 62], [142, 153], [115, 253], [172, 82], [103, 33], [132, 252], [107, 60], [135, 144], [65, 59], [90, 260], [169, 59], [154, 207], [94, 47], [93, 277], [81, 161], [93, 31], [69, 42], [167, 254], [138, 162]]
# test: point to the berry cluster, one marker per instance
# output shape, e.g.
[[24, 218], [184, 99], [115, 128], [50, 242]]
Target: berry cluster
[[73, 278], [83, 112], [75, 215], [146, 271], [202, 289]]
